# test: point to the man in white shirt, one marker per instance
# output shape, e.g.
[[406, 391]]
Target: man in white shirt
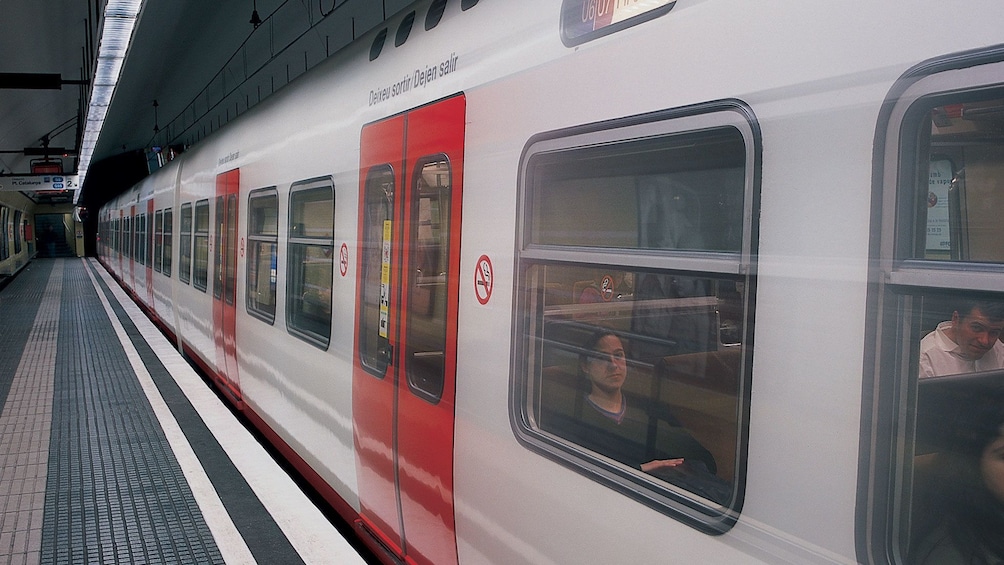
[[966, 344]]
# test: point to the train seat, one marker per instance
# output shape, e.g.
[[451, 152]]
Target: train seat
[[701, 390]]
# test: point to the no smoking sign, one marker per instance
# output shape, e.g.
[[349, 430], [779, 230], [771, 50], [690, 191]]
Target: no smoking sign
[[484, 279]]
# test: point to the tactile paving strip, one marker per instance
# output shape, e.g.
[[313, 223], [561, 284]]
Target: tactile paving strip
[[115, 492]]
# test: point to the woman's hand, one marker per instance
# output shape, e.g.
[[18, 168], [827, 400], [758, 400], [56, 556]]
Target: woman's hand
[[661, 464]]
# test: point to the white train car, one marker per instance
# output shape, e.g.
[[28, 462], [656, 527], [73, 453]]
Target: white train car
[[401, 265], [17, 219]]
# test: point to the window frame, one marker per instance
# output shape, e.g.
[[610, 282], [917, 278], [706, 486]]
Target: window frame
[[4, 222], [378, 361], [899, 285], [320, 340], [185, 239], [200, 277], [253, 239], [674, 502], [158, 240], [18, 221], [167, 242]]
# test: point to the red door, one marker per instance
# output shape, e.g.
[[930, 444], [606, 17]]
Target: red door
[[406, 328], [225, 282]]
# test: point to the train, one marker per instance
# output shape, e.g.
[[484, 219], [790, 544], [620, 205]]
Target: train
[[402, 265], [17, 243]]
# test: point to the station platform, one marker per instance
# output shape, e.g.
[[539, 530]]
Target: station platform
[[113, 450]]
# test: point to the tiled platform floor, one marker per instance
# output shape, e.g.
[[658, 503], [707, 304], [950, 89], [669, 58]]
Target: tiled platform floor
[[96, 444]]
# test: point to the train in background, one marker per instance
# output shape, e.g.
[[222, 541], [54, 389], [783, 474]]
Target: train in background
[[394, 267], [17, 245]]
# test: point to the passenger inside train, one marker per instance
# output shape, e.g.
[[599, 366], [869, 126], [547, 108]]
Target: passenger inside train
[[967, 343], [642, 434], [958, 511], [955, 510], [643, 283]]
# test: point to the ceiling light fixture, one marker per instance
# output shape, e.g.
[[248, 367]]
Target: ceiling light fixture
[[118, 22], [255, 19]]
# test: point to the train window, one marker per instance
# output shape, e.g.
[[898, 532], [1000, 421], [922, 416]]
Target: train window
[[435, 14], [636, 287], [230, 283], [936, 404], [168, 242], [137, 238], [430, 224], [17, 232], [127, 237], [158, 244], [374, 325], [185, 244], [585, 20], [4, 249], [263, 245], [140, 239], [150, 239], [200, 259], [220, 251], [310, 267], [696, 204], [467, 4], [959, 154]]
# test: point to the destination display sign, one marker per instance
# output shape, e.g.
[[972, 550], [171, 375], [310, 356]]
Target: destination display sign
[[583, 20], [40, 182]]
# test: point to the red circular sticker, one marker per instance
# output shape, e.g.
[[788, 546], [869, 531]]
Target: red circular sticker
[[607, 288], [484, 278]]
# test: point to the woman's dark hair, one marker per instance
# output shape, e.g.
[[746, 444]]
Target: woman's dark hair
[[974, 516], [588, 348]]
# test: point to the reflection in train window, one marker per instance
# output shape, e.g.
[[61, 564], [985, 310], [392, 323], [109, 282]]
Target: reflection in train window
[[185, 243], [430, 223], [374, 322], [939, 362], [959, 180], [127, 236], [4, 247], [158, 240], [641, 358], [311, 263], [680, 193], [168, 241], [139, 239], [263, 244], [17, 231], [200, 278]]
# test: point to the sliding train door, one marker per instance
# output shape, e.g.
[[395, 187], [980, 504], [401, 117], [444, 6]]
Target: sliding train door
[[225, 281], [406, 329]]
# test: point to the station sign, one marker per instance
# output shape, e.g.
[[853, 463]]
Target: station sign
[[583, 20], [35, 183]]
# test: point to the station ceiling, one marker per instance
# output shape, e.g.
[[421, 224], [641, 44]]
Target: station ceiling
[[192, 66]]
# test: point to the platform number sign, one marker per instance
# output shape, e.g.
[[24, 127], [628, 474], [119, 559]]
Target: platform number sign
[[484, 278]]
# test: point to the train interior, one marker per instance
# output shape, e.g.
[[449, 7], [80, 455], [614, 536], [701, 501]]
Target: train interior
[[683, 331], [960, 204]]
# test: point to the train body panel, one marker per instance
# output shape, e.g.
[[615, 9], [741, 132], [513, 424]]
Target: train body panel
[[334, 305], [16, 232]]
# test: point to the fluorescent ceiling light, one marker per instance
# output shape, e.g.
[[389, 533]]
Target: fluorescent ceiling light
[[117, 28]]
